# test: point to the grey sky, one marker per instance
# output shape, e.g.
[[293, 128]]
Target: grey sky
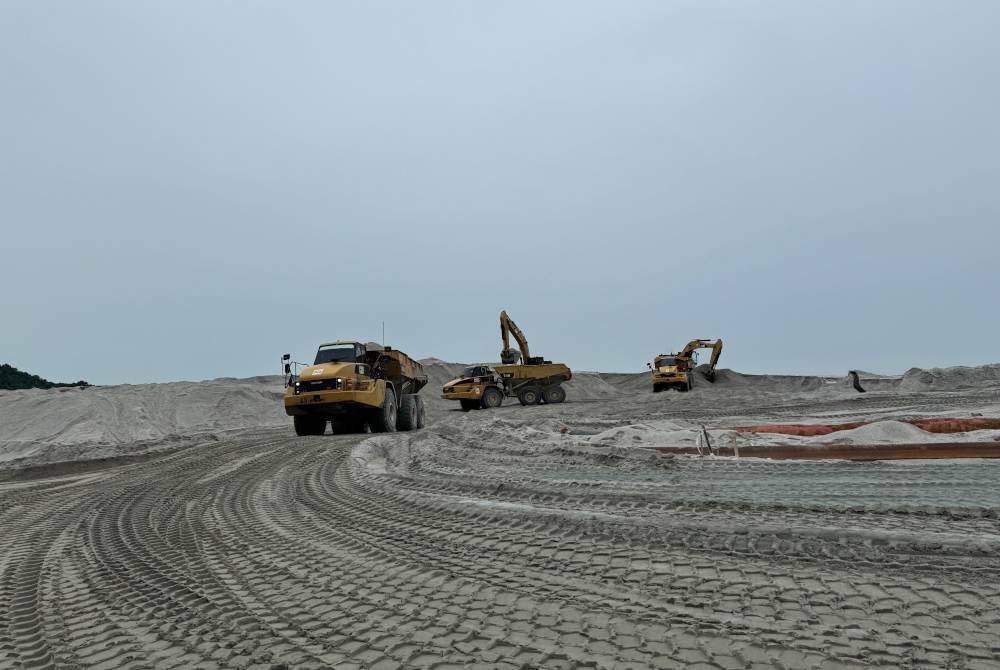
[[187, 190]]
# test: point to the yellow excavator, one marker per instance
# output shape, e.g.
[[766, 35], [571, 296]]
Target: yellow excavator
[[509, 355], [677, 370], [530, 379]]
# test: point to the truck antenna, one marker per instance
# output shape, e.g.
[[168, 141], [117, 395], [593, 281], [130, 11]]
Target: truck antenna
[[383, 333]]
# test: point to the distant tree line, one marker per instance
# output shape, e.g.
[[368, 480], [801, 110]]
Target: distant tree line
[[12, 379]]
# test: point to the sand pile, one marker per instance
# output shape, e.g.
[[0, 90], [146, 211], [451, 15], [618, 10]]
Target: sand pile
[[919, 379], [59, 424]]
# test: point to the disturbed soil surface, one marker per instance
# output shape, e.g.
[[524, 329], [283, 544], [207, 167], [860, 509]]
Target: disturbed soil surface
[[523, 537]]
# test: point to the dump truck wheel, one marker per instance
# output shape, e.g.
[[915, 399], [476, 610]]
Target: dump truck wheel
[[529, 396], [407, 419], [657, 388], [384, 418], [492, 398], [554, 394], [468, 404], [309, 425], [421, 413]]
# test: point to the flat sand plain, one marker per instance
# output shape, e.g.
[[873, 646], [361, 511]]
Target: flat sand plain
[[186, 526]]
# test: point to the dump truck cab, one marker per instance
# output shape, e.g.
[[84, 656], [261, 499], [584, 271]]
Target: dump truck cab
[[477, 386], [672, 371], [353, 385]]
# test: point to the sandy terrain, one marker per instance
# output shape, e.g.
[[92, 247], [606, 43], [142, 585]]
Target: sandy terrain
[[518, 538]]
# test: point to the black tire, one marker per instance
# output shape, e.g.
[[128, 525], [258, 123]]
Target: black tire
[[554, 395], [529, 396], [421, 413], [657, 388], [492, 398], [468, 404], [384, 418], [407, 419], [309, 425]]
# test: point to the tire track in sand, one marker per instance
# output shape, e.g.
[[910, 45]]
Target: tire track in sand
[[293, 552]]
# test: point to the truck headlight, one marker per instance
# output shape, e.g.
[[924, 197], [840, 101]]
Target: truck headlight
[[298, 388]]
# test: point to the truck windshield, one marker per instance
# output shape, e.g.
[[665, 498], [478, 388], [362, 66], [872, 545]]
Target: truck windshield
[[339, 353], [475, 371], [665, 362]]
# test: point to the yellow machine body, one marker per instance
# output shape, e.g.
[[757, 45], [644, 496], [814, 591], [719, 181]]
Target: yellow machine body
[[677, 370]]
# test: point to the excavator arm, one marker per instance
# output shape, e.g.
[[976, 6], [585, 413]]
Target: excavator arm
[[507, 328], [714, 345]]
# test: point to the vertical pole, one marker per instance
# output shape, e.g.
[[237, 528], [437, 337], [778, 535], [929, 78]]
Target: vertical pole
[[383, 333]]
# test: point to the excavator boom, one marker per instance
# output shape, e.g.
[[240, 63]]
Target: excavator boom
[[507, 328], [714, 345]]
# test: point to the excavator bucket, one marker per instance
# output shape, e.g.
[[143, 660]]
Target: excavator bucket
[[856, 382]]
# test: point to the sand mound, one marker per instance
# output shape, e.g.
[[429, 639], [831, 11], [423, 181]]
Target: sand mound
[[652, 433], [879, 432], [919, 379], [726, 378], [38, 424]]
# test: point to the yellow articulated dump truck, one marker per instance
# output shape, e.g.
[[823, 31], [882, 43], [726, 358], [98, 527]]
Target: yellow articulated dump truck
[[533, 380], [353, 386], [677, 370]]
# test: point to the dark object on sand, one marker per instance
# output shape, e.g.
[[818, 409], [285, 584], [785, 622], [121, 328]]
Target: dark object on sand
[[856, 382]]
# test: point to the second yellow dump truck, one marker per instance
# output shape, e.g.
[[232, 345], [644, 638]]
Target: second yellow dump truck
[[353, 386], [484, 386], [530, 379]]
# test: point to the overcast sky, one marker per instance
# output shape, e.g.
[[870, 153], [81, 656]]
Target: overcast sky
[[188, 190]]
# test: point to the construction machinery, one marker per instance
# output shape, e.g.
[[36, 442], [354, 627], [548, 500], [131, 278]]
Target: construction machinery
[[354, 386], [530, 379], [677, 370]]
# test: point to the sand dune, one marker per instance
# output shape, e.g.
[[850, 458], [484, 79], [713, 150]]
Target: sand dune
[[66, 424]]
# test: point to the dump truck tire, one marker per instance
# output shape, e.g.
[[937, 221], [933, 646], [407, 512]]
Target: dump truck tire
[[309, 425], [421, 413], [468, 404], [657, 388], [407, 419], [384, 418], [554, 394], [492, 398], [529, 396]]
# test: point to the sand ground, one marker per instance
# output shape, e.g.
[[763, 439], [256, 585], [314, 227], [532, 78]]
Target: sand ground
[[519, 538]]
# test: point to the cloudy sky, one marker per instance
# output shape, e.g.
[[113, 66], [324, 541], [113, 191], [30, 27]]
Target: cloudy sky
[[188, 190]]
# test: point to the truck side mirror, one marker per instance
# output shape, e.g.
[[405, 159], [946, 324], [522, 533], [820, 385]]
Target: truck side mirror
[[286, 357], [288, 369], [649, 365]]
